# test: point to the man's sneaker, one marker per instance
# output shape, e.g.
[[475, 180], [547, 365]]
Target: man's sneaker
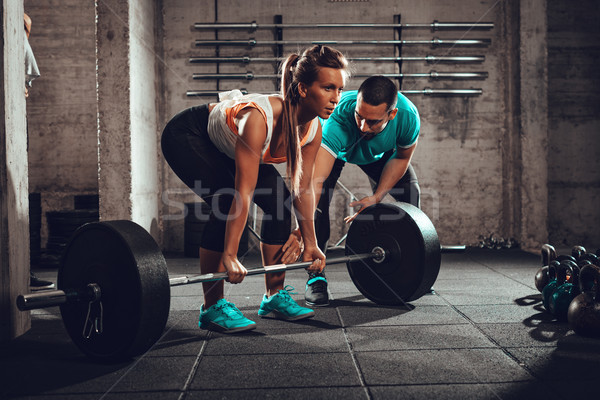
[[283, 306], [316, 290], [36, 283], [224, 317]]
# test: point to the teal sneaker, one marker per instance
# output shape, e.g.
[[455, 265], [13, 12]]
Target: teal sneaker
[[224, 317], [283, 306]]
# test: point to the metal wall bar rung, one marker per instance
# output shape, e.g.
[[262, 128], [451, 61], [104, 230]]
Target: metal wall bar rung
[[431, 75], [435, 25], [445, 92], [428, 58], [425, 91], [433, 42]]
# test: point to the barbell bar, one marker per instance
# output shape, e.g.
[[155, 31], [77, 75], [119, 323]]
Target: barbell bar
[[444, 92], [377, 254], [425, 91], [114, 287], [253, 42], [92, 292], [435, 25], [431, 75], [51, 298], [428, 58]]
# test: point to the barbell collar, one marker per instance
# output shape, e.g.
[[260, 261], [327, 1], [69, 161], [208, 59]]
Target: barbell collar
[[453, 249], [428, 58], [435, 25], [433, 42], [377, 254]]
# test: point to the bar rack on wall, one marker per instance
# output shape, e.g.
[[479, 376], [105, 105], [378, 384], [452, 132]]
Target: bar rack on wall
[[278, 43]]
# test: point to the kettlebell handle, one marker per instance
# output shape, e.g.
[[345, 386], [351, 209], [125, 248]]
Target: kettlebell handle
[[589, 280], [564, 268], [552, 269]]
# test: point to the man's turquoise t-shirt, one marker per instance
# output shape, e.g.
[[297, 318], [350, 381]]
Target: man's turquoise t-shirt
[[342, 138]]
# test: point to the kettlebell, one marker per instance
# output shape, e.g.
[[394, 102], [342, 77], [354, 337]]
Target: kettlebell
[[566, 292], [548, 254], [584, 311], [578, 251], [591, 257], [566, 257], [552, 284], [541, 276]]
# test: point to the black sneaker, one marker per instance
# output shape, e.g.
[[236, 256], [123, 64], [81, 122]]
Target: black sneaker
[[316, 290], [38, 284]]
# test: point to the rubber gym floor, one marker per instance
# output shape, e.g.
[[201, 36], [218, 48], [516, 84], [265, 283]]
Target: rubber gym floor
[[481, 334]]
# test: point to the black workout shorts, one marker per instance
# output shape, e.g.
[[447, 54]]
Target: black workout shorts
[[211, 175]]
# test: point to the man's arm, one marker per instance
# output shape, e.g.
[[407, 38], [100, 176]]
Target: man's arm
[[393, 171]]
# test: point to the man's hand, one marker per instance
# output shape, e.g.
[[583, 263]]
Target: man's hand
[[292, 249], [362, 203]]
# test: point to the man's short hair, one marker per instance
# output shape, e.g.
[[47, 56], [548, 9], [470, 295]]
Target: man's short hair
[[378, 89]]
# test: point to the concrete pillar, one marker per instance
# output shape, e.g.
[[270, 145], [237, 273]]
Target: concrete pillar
[[127, 112], [14, 204], [534, 123]]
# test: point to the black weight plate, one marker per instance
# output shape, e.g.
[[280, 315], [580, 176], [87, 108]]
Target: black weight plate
[[125, 261], [412, 247]]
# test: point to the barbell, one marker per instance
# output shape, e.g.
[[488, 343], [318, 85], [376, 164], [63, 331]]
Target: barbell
[[428, 58], [434, 26], [431, 75], [252, 42], [114, 287], [426, 91]]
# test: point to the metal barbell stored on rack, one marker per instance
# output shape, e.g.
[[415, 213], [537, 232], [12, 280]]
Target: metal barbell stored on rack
[[114, 287], [428, 58], [434, 26], [425, 91], [431, 75], [253, 42]]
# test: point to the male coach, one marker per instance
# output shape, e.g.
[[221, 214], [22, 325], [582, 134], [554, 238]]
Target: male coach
[[375, 128]]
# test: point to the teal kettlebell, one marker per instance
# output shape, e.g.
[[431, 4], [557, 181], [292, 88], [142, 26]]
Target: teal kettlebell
[[566, 292], [548, 290]]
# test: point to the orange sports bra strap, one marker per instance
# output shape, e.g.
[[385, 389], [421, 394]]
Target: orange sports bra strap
[[232, 112]]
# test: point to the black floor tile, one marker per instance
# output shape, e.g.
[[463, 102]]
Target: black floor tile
[[275, 371], [329, 393], [439, 366], [529, 333], [306, 340], [416, 337], [552, 365], [531, 390], [372, 315]]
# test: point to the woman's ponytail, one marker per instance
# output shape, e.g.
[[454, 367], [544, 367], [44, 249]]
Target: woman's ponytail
[[291, 139], [302, 69]]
